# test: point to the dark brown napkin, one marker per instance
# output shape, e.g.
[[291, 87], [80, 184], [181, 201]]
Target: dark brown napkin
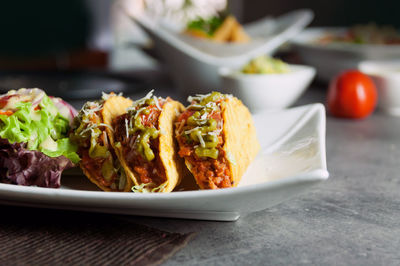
[[46, 237]]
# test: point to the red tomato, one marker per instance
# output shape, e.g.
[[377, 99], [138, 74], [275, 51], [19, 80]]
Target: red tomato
[[352, 94], [4, 100]]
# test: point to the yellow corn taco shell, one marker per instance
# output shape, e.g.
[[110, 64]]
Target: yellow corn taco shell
[[168, 147], [241, 144], [238, 34], [113, 107], [224, 32], [92, 167], [229, 31], [167, 151]]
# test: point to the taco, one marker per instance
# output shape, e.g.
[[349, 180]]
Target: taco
[[217, 139], [34, 143], [98, 159], [144, 142]]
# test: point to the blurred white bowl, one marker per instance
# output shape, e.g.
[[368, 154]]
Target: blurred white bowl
[[194, 63], [331, 59], [267, 91], [386, 76]]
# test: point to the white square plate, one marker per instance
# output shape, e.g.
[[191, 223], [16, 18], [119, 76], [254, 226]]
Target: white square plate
[[292, 159]]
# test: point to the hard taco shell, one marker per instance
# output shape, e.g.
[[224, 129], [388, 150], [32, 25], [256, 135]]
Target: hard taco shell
[[167, 147], [173, 164], [121, 104], [113, 107], [241, 145], [240, 139]]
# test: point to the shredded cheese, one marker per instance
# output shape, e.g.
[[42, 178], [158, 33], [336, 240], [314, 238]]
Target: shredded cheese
[[198, 97], [215, 132], [157, 103], [105, 96], [211, 105], [126, 128], [88, 128], [139, 111], [196, 106], [136, 140], [141, 101], [91, 107], [105, 139], [105, 125], [200, 137], [191, 130], [201, 121]]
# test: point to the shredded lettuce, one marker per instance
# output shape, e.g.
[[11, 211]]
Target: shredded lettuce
[[149, 187], [43, 129]]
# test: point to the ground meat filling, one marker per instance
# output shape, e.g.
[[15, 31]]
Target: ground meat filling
[[94, 166], [148, 171], [99, 165], [211, 173]]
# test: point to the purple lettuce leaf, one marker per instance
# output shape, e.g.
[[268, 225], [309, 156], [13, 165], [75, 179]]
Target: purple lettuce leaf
[[21, 166]]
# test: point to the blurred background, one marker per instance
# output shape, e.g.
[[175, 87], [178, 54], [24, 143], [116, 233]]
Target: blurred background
[[329, 13], [76, 48]]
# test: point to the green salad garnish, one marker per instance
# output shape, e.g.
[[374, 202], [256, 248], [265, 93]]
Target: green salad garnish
[[43, 128], [208, 26]]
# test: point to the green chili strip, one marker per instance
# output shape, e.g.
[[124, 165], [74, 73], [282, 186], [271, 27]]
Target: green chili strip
[[145, 133], [201, 135]]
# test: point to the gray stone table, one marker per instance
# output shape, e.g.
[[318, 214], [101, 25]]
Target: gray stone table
[[353, 218]]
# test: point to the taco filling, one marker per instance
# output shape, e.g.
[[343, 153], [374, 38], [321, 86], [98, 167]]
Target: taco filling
[[136, 135], [199, 134], [98, 157]]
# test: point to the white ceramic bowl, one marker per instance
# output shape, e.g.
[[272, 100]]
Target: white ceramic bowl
[[267, 91], [193, 63], [386, 75], [331, 59]]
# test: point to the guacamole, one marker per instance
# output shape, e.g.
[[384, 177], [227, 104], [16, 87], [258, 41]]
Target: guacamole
[[265, 65]]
